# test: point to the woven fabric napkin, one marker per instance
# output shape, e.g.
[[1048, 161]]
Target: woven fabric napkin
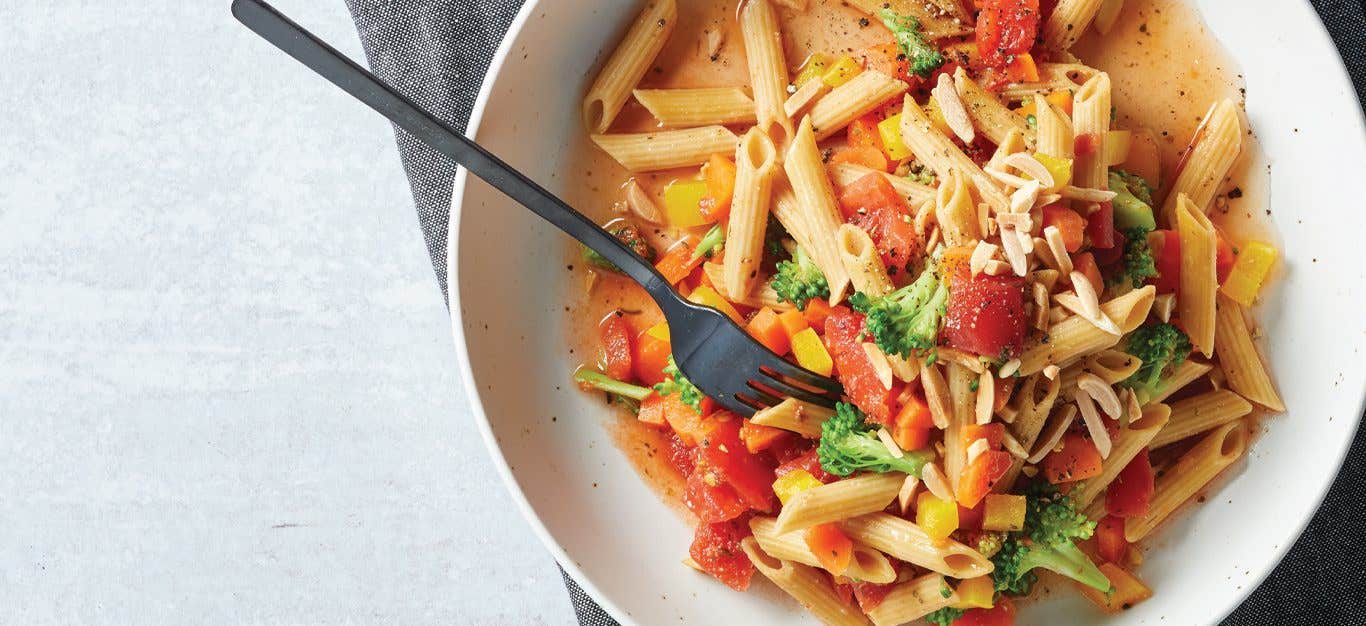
[[437, 51]]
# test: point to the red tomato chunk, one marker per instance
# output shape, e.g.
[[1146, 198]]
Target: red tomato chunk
[[986, 315], [716, 548]]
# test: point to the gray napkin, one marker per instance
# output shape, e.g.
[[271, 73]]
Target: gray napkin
[[437, 51]]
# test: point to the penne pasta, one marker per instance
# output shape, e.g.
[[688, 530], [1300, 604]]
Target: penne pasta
[[866, 564], [1055, 136], [1195, 297], [916, 194], [1125, 445], [1184, 374], [1198, 414], [988, 115], [707, 106], [1068, 22], [935, 24], [763, 296], [963, 400], [1052, 77], [851, 497], [795, 415], [856, 98], [1091, 118], [1195, 469], [756, 161], [938, 153], [1213, 150], [816, 213], [1075, 337], [1238, 358], [767, 68], [901, 539], [648, 152], [913, 600], [862, 261], [628, 63], [955, 212], [1110, 366], [807, 585]]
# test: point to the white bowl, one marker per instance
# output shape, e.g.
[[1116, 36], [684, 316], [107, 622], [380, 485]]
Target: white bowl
[[623, 545]]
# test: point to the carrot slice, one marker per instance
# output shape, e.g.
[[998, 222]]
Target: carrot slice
[[831, 546]]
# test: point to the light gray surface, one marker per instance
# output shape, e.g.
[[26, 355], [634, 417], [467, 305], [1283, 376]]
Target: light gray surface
[[227, 386]]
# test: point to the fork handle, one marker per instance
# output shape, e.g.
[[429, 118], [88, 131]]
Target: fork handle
[[341, 71]]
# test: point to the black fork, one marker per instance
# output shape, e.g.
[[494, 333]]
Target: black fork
[[719, 357]]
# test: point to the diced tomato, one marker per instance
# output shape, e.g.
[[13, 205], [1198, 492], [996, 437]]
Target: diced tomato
[[1071, 225], [1077, 460], [816, 312], [788, 448], [1129, 495], [994, 433], [861, 384], [986, 314], [1110, 542], [1100, 226], [1006, 28], [809, 461], [1086, 264], [871, 203], [866, 156], [981, 475], [863, 132], [1167, 259], [1223, 258], [682, 457], [833, 548], [1085, 144], [890, 60], [869, 595], [1003, 614], [716, 549], [616, 346], [750, 475], [971, 518], [710, 499], [1109, 257], [758, 437]]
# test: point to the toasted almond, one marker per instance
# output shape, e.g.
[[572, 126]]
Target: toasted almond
[[1102, 393], [1029, 471], [1053, 432], [1086, 194], [937, 395], [1012, 445], [1164, 305], [886, 439], [936, 482], [641, 204], [687, 560], [1019, 221], [1005, 177], [951, 106], [1008, 369], [1040, 306], [996, 268], [980, 255], [1010, 242], [1086, 293], [1046, 199], [905, 370], [1062, 261], [986, 396], [1094, 425], [1032, 167], [881, 367], [1133, 408], [906, 496], [966, 359], [713, 39], [1095, 315], [976, 448]]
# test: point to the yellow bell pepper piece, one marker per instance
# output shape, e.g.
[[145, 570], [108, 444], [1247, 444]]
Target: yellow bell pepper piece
[[936, 116], [811, 353], [659, 331], [682, 201], [1003, 512], [938, 518], [975, 593], [706, 296], [1116, 146], [814, 67], [792, 482], [890, 131], [843, 70], [1249, 272], [1061, 99], [1060, 168]]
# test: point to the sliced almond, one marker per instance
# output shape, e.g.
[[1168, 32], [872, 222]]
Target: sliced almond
[[886, 439], [1087, 194], [937, 395], [1133, 409], [966, 359], [1019, 221], [905, 370], [980, 255], [641, 204], [881, 367], [1053, 432], [1005, 177], [1008, 369], [951, 106], [936, 482], [1012, 445], [1031, 166], [996, 268], [1040, 306], [976, 448], [1062, 261], [906, 496], [986, 397], [1015, 253], [1051, 372], [1163, 306], [1094, 425], [1093, 314], [1102, 393]]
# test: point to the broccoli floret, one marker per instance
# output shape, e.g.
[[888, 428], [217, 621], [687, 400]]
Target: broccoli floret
[[628, 234], [944, 616], [799, 280], [710, 242], [1133, 202], [1052, 525], [773, 238], [906, 320], [1137, 264], [924, 58], [1160, 347], [677, 382], [989, 543], [920, 174], [618, 392], [848, 445]]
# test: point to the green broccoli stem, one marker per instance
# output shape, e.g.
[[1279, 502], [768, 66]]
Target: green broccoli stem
[[1068, 560], [603, 382], [710, 241]]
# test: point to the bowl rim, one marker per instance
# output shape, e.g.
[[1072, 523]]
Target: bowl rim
[[562, 558]]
